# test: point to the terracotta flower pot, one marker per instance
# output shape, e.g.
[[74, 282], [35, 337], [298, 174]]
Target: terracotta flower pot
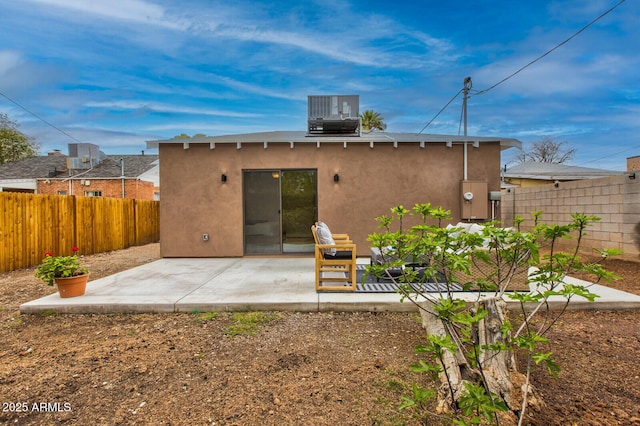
[[72, 286]]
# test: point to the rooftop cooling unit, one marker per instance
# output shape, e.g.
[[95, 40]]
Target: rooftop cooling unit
[[84, 156], [331, 115]]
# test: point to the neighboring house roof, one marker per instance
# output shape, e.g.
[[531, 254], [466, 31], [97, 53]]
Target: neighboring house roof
[[152, 175], [34, 167], [551, 172], [55, 167], [294, 137]]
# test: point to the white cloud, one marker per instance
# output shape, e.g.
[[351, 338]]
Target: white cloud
[[331, 47], [553, 75], [208, 128], [339, 33], [335, 31], [159, 107], [9, 59], [256, 89], [130, 10]]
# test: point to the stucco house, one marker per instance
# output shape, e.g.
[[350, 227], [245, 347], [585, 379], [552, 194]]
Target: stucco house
[[85, 172], [259, 193]]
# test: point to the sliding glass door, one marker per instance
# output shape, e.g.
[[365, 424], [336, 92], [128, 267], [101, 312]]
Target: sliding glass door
[[299, 210], [279, 208], [262, 212]]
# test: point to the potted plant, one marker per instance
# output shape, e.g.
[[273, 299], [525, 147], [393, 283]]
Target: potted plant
[[66, 271]]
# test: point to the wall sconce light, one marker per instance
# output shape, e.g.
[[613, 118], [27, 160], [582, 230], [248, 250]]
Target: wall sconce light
[[336, 178], [223, 178], [556, 183]]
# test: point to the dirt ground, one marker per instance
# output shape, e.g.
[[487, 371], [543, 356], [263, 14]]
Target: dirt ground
[[294, 369]]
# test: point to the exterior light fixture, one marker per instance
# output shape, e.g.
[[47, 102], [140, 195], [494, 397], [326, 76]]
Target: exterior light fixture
[[556, 183], [223, 178], [336, 178]]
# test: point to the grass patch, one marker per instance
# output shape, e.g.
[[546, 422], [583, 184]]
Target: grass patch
[[15, 322], [395, 386], [415, 316], [208, 316], [248, 323]]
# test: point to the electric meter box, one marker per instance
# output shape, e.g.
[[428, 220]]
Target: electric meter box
[[474, 200]]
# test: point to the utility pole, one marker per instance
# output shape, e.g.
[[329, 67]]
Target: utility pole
[[467, 84]]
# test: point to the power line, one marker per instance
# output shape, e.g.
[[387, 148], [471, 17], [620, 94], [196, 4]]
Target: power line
[[38, 117], [614, 154], [551, 50], [439, 112], [480, 92]]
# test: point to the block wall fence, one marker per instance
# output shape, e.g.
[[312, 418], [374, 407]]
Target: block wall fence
[[616, 200]]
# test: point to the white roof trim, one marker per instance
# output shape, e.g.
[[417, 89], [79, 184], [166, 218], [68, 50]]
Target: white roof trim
[[292, 137]]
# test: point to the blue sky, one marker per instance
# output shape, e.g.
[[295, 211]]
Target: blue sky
[[119, 73]]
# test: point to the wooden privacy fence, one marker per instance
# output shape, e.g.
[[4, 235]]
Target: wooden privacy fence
[[31, 225]]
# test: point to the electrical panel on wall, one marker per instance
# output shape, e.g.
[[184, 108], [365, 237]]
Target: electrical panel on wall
[[474, 200]]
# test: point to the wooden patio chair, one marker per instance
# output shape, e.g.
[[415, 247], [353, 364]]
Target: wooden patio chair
[[335, 260]]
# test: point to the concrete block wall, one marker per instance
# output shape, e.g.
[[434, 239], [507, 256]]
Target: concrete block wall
[[615, 200]]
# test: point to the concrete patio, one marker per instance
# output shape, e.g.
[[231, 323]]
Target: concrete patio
[[249, 283]]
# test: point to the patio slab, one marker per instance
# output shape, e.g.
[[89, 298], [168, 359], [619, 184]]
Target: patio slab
[[241, 284]]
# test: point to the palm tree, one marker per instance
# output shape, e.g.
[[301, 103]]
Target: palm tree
[[372, 120]]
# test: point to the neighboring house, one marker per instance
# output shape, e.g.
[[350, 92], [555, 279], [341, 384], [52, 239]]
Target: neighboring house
[[86, 172], [259, 193], [533, 173]]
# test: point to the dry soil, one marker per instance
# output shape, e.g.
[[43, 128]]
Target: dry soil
[[292, 368]]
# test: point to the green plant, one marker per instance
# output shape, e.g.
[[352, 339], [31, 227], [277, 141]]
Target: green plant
[[247, 323], [53, 267], [419, 397], [471, 345], [15, 322], [208, 316]]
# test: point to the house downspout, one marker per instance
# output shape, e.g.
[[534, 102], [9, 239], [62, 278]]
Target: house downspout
[[464, 174]]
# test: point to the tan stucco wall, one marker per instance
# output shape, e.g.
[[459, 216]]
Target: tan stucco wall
[[195, 201]]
